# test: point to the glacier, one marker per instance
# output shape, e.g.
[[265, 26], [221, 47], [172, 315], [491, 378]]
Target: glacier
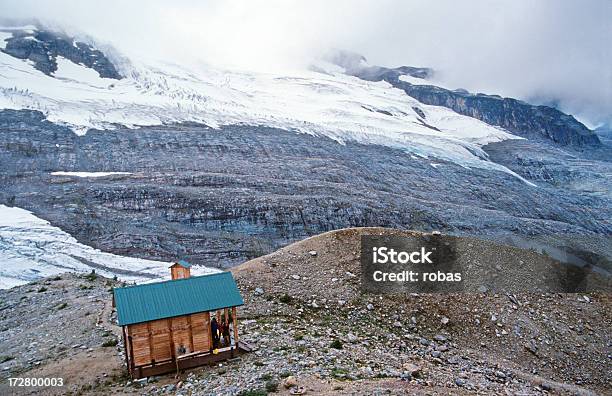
[[31, 248], [322, 101]]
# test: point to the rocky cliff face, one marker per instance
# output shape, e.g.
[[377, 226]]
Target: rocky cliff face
[[545, 163], [520, 118], [222, 196], [42, 48]]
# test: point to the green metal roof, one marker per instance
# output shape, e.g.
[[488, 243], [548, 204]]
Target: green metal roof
[[151, 301]]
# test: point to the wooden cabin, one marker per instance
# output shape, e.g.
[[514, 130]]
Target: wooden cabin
[[166, 326]]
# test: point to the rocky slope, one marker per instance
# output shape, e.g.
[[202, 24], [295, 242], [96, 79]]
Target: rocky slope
[[313, 328], [585, 173], [220, 196], [491, 343]]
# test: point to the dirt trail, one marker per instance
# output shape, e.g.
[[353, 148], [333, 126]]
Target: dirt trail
[[105, 319]]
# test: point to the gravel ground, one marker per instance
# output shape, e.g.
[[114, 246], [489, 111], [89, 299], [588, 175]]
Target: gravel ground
[[314, 330]]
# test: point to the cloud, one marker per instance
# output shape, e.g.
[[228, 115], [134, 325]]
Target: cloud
[[546, 51]]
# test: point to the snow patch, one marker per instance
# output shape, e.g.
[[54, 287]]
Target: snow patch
[[3, 37], [89, 174], [66, 69]]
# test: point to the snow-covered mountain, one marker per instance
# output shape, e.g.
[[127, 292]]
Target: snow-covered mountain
[[157, 160], [322, 101]]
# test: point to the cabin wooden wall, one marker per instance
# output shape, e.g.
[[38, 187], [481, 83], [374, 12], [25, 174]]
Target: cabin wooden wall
[[159, 340], [200, 323]]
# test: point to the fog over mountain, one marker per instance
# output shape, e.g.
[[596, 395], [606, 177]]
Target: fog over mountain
[[550, 52]]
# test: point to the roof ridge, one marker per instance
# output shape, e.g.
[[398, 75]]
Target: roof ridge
[[172, 280], [176, 297]]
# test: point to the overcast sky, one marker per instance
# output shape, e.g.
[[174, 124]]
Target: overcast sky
[[546, 51]]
